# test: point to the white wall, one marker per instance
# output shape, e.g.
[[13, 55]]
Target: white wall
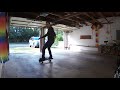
[[74, 37]]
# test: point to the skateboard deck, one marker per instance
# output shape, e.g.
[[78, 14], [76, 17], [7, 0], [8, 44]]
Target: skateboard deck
[[42, 60]]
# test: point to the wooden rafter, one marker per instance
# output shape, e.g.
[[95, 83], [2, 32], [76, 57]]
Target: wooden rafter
[[26, 21], [65, 17], [32, 13], [65, 28], [102, 15], [95, 20], [66, 22], [83, 20], [77, 17], [36, 15], [23, 25]]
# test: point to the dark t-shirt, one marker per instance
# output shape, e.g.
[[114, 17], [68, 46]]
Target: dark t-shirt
[[51, 34]]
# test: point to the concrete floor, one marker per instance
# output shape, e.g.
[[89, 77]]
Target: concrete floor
[[81, 62]]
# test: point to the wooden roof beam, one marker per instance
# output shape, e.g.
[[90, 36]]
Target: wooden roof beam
[[91, 17], [62, 28], [66, 22], [65, 17], [26, 21], [37, 16], [32, 13], [78, 21], [23, 25], [101, 14], [83, 20]]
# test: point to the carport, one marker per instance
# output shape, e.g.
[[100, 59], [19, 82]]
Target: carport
[[68, 22], [84, 32], [25, 22]]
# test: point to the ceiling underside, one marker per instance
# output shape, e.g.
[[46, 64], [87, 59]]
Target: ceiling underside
[[62, 20]]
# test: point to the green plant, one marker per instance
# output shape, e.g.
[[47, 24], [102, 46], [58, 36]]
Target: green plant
[[22, 34], [59, 37]]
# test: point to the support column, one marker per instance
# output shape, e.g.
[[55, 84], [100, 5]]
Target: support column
[[8, 28], [42, 41], [97, 38], [65, 40], [97, 41]]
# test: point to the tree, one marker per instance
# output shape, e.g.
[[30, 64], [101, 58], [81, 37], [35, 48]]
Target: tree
[[22, 34], [59, 36]]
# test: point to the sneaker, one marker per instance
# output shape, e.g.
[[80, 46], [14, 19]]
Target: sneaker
[[41, 59], [50, 58]]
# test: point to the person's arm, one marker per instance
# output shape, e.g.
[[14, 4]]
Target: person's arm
[[44, 36]]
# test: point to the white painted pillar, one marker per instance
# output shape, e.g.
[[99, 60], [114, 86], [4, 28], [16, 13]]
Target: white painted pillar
[[42, 41], [65, 40]]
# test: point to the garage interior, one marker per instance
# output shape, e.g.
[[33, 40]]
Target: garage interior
[[84, 54]]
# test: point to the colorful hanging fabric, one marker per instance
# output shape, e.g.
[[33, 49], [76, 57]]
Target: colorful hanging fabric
[[3, 37]]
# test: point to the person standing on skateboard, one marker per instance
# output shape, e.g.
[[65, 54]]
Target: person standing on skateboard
[[51, 38]]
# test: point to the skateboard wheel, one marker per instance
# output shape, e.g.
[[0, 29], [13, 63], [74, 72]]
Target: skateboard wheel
[[49, 60]]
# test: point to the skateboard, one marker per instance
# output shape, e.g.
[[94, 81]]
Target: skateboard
[[42, 60]]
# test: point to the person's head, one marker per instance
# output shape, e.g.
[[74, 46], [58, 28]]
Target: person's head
[[48, 24]]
